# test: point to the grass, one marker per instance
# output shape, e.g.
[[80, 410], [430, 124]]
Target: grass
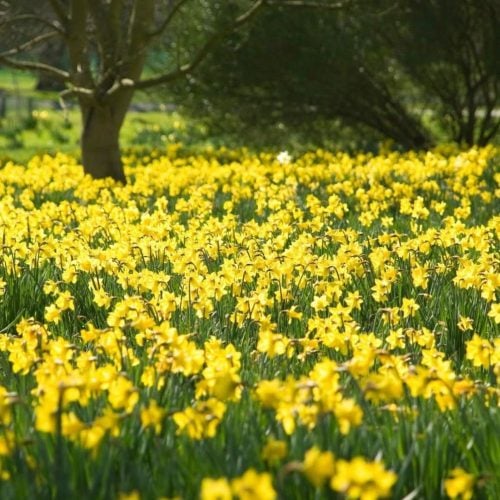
[[35, 124], [17, 81], [48, 131], [51, 131], [158, 335]]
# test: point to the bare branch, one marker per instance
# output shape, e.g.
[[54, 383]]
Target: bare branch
[[107, 31], [307, 4], [168, 19], [142, 16], [60, 11], [210, 44], [77, 91], [115, 13], [130, 61], [35, 66], [26, 46], [22, 18], [78, 44]]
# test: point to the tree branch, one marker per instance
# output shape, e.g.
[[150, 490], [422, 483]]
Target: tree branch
[[26, 46], [115, 13], [307, 4], [107, 31], [140, 20], [78, 44], [202, 53], [78, 91], [31, 17], [35, 66], [60, 11], [168, 19]]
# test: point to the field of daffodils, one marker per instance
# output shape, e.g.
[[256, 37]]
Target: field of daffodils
[[260, 327]]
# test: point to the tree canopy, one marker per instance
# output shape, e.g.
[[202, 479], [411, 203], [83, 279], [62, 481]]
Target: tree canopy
[[388, 65]]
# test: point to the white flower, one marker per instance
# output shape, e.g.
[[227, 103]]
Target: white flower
[[284, 158]]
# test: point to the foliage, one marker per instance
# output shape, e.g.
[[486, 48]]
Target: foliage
[[450, 50], [324, 326], [390, 66]]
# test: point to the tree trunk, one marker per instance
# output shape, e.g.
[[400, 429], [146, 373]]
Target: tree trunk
[[100, 142]]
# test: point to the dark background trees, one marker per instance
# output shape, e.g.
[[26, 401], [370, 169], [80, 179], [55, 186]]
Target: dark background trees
[[414, 71], [451, 51]]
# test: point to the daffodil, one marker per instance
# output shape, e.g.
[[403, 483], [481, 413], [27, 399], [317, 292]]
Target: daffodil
[[460, 484]]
